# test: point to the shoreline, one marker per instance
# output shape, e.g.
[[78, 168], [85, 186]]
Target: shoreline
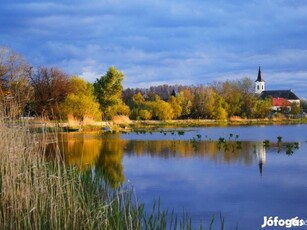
[[153, 124]]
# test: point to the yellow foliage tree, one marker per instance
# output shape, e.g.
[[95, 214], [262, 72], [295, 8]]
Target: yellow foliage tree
[[81, 102]]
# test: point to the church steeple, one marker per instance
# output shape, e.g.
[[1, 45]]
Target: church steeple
[[259, 78], [260, 84]]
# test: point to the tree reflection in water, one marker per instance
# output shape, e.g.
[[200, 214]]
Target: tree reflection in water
[[104, 153]]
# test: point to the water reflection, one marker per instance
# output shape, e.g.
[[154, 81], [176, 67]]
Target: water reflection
[[109, 163], [104, 154], [260, 155], [89, 151]]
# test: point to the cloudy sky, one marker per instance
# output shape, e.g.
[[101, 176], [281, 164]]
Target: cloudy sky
[[163, 41]]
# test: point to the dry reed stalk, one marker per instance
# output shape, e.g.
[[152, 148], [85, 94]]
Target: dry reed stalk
[[35, 193]]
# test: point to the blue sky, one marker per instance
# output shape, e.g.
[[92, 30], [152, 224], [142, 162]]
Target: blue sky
[[163, 42]]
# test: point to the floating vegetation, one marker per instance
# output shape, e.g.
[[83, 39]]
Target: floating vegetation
[[238, 144], [289, 149], [282, 146], [222, 140], [296, 145], [181, 133], [222, 143], [196, 142], [266, 143]]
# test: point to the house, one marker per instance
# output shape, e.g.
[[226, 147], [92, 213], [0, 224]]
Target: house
[[281, 104], [282, 99]]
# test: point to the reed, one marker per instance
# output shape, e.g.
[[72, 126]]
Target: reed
[[36, 193]]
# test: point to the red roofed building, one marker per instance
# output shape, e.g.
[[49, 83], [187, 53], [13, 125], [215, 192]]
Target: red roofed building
[[282, 99], [281, 104]]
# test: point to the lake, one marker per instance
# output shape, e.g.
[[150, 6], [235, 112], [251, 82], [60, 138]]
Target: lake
[[242, 173]]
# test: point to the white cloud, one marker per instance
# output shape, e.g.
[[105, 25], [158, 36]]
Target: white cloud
[[162, 41]]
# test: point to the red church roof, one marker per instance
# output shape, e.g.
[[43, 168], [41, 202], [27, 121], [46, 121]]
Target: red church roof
[[281, 102]]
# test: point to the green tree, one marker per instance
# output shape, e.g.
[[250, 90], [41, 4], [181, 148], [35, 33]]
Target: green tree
[[295, 109], [233, 97], [220, 108], [246, 86], [140, 108], [262, 108], [108, 90]]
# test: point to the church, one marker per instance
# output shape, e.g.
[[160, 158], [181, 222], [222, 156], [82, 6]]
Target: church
[[281, 98]]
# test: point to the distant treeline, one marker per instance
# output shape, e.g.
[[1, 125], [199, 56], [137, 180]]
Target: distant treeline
[[49, 92], [219, 100]]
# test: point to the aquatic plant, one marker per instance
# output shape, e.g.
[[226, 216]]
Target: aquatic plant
[[39, 194], [296, 145], [238, 145], [266, 143], [223, 143], [180, 133], [196, 142], [289, 149]]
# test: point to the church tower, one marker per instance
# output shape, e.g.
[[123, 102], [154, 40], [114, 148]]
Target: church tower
[[260, 84]]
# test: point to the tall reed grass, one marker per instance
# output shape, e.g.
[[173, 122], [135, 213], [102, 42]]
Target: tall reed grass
[[39, 194]]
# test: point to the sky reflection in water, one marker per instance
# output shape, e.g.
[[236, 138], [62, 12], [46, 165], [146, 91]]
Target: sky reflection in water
[[244, 181]]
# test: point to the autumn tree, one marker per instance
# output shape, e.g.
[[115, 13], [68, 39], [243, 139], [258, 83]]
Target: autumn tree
[[186, 99], [232, 95], [108, 90], [81, 103], [140, 109], [209, 104], [175, 103], [160, 109], [14, 82], [203, 103], [50, 87]]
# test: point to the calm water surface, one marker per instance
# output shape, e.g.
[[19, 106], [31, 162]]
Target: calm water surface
[[205, 171]]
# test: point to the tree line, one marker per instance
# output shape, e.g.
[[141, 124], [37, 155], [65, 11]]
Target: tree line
[[49, 92]]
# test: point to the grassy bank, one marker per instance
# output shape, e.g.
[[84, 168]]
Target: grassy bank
[[39, 126], [39, 194], [204, 123]]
